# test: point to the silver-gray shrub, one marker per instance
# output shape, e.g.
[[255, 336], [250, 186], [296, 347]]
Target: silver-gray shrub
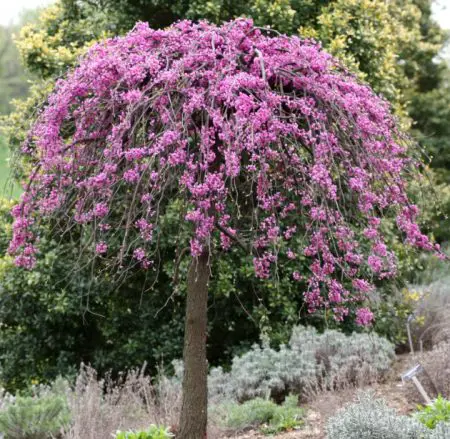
[[433, 309], [342, 360], [371, 418], [442, 431], [43, 414], [311, 362]]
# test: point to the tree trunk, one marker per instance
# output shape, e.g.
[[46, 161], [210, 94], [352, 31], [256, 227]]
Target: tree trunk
[[193, 419]]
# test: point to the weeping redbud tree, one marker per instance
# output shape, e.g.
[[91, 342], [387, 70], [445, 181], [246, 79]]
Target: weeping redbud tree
[[266, 143]]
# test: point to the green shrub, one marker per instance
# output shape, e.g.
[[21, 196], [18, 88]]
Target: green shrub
[[35, 417], [154, 432], [249, 414], [261, 413], [371, 418], [435, 413], [286, 417]]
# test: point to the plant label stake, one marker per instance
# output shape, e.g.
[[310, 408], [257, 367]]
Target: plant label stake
[[411, 375], [408, 329]]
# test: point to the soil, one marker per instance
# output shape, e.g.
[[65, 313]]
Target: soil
[[401, 396]]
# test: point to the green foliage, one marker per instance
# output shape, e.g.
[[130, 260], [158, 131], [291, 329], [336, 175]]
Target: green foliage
[[13, 82], [371, 418], [31, 419], [262, 413], [428, 103], [284, 15], [154, 432], [436, 412], [41, 416], [369, 36], [431, 110], [286, 417], [15, 126], [391, 315], [60, 35], [394, 301], [58, 316]]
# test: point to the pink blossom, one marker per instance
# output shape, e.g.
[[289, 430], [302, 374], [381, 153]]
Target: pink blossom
[[23, 261], [375, 263], [196, 247], [364, 317], [335, 292], [145, 228], [290, 254], [225, 241], [219, 138], [339, 313], [362, 285], [289, 233], [139, 254], [101, 210], [380, 249], [296, 276], [262, 265], [133, 154], [131, 176], [101, 248], [370, 233], [132, 96]]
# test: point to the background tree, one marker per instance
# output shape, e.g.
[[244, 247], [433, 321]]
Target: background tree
[[263, 141], [14, 84], [13, 81], [371, 38]]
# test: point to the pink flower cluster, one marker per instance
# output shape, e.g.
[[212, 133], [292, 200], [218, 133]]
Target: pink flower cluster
[[263, 138]]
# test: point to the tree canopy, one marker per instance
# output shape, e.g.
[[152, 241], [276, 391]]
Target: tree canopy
[[246, 131]]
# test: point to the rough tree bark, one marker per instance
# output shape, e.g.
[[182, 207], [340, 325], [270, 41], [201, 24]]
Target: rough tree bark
[[193, 420]]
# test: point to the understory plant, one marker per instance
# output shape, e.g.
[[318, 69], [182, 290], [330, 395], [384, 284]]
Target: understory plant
[[371, 418], [153, 432], [432, 312], [260, 413], [100, 407], [436, 412], [436, 364], [311, 362], [44, 414], [442, 431]]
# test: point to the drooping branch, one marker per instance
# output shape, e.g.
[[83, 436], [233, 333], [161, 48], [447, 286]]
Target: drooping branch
[[252, 134], [248, 249]]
